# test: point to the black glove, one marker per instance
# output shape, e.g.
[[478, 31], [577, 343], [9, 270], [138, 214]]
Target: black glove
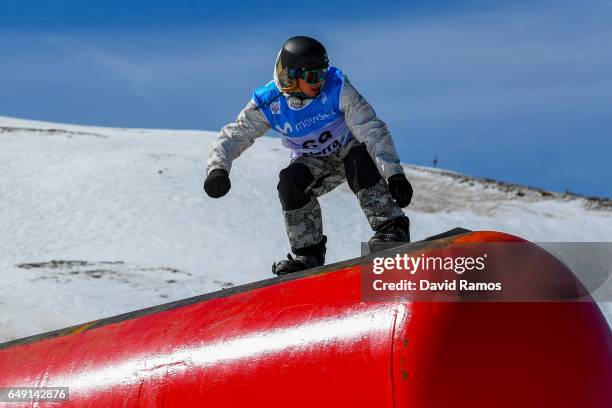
[[400, 189], [217, 183]]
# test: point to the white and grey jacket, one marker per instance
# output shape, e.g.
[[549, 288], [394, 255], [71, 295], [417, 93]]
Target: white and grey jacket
[[359, 115]]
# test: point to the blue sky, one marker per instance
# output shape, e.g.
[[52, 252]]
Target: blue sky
[[518, 91]]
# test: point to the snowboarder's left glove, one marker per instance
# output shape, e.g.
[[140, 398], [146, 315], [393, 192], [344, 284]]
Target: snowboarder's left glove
[[217, 183], [400, 189]]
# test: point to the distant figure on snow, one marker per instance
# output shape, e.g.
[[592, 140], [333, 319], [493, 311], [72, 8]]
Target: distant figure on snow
[[333, 135]]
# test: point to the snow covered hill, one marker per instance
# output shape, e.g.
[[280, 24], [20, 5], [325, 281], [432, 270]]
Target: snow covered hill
[[98, 221]]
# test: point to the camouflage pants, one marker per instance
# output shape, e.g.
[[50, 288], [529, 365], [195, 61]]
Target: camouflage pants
[[307, 178]]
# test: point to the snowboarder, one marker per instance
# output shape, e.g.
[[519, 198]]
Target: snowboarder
[[333, 135]]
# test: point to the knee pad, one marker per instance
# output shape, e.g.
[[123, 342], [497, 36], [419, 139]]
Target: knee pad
[[361, 171], [292, 184]]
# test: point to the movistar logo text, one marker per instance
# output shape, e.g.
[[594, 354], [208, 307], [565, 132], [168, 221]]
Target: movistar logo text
[[314, 119]]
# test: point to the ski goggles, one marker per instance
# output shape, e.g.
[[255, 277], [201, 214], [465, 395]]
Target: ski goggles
[[313, 76]]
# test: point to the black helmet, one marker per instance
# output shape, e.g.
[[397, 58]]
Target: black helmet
[[303, 53]]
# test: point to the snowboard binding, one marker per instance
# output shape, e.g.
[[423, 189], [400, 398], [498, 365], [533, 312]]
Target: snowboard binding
[[391, 234], [305, 258]]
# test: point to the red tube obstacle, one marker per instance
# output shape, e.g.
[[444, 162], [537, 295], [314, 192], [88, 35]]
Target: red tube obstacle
[[307, 340]]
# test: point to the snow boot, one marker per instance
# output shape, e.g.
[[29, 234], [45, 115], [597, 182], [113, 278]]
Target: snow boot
[[305, 258], [395, 231]]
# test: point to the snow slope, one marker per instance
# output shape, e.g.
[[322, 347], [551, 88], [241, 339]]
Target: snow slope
[[99, 221]]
